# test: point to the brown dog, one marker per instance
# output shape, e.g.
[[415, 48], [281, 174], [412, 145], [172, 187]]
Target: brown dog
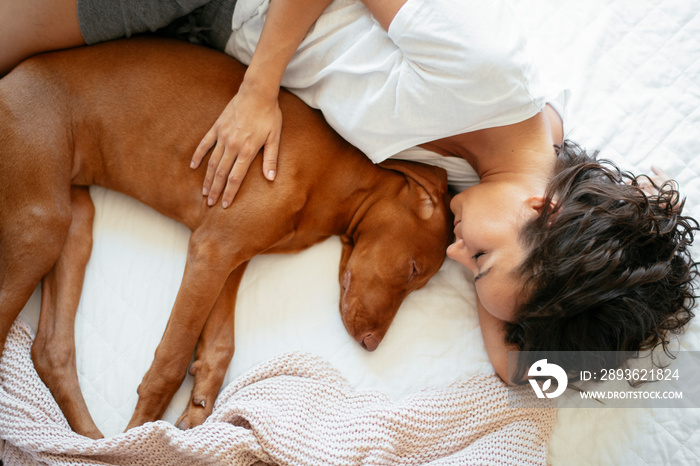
[[128, 115]]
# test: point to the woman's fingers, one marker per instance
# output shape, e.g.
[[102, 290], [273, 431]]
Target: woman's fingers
[[232, 176], [270, 153], [247, 124], [660, 185], [658, 171], [207, 143], [660, 176], [212, 168], [228, 167]]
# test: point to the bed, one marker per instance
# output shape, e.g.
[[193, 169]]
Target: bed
[[633, 68]]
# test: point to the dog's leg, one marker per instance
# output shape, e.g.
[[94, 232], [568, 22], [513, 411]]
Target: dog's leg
[[208, 265], [214, 352], [31, 238], [53, 351]]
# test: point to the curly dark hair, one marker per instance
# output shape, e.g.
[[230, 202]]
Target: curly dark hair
[[608, 268]]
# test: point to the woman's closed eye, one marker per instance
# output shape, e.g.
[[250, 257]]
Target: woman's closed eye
[[480, 275]]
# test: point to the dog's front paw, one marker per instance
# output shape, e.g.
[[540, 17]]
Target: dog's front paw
[[197, 411]]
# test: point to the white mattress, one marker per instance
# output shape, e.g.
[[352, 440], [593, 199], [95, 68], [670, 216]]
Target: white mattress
[[633, 67]]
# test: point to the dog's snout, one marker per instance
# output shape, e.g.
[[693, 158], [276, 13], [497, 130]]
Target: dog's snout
[[369, 342]]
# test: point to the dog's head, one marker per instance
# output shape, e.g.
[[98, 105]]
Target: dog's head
[[396, 247]]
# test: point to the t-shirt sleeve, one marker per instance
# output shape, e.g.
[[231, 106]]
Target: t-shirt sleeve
[[444, 67], [465, 45]]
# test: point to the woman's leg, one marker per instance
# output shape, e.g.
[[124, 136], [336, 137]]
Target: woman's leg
[[28, 27]]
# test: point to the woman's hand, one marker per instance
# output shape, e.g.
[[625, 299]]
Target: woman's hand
[[250, 121], [658, 178], [659, 185], [253, 118]]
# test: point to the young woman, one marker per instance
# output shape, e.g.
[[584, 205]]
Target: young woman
[[442, 82]]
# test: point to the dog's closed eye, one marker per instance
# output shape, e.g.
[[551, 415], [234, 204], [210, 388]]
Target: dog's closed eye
[[414, 269]]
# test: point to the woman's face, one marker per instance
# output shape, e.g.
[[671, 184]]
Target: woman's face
[[488, 219]]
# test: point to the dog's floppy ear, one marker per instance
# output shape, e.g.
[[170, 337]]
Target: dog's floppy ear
[[431, 183], [348, 246]]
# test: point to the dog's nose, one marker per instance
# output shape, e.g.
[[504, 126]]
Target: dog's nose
[[369, 342]]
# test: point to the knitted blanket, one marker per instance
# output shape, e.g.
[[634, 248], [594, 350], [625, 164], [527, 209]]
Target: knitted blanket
[[294, 409]]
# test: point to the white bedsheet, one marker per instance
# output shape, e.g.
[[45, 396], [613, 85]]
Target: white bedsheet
[[634, 70]]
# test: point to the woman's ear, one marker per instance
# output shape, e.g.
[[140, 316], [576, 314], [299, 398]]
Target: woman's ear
[[538, 203]]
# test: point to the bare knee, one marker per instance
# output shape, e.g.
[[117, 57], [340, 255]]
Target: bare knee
[[33, 26]]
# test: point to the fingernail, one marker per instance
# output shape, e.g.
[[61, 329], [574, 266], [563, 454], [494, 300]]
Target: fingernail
[[205, 191], [271, 175], [192, 165], [224, 204], [210, 202]]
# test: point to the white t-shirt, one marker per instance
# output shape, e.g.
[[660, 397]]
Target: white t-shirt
[[444, 67]]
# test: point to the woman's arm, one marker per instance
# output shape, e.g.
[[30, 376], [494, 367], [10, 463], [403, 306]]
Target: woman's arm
[[493, 333], [253, 119], [384, 10]]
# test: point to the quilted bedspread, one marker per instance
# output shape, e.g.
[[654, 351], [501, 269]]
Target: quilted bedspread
[[633, 68], [634, 71]]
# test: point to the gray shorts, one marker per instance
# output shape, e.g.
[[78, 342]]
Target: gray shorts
[[199, 21]]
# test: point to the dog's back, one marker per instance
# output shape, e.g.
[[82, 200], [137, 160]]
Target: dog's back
[[131, 113]]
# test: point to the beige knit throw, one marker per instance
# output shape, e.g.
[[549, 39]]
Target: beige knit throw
[[294, 409]]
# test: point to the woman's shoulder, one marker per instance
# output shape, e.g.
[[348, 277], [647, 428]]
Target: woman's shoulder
[[556, 123], [556, 110]]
